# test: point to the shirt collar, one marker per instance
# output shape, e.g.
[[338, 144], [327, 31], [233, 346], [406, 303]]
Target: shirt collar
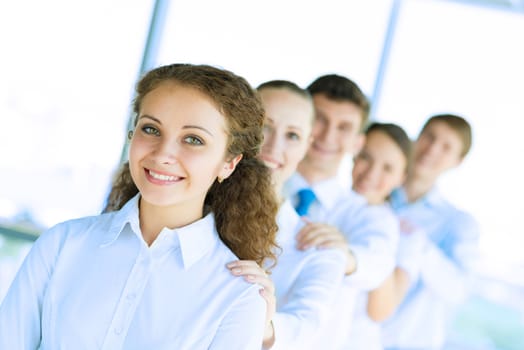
[[328, 192], [197, 239], [128, 214], [325, 190], [399, 198], [294, 184], [289, 222]]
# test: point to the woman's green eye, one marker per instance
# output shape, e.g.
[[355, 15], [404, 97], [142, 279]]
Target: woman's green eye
[[150, 130], [193, 140]]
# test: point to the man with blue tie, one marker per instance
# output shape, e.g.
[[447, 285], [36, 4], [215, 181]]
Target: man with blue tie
[[368, 241]]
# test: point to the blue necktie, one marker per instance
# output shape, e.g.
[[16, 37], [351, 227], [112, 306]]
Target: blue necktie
[[305, 197]]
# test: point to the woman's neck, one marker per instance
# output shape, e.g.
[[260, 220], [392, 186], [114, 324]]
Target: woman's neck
[[153, 218]]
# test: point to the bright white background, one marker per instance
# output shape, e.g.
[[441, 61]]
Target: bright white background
[[445, 57], [68, 69]]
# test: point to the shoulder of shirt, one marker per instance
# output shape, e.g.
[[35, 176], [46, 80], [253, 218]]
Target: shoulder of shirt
[[463, 221], [329, 259], [384, 211], [289, 223], [359, 203], [58, 234], [328, 254], [293, 184], [237, 286], [350, 201], [78, 225], [451, 210]]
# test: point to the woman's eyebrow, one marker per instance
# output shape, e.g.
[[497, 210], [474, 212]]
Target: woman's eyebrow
[[150, 117], [197, 127], [184, 127]]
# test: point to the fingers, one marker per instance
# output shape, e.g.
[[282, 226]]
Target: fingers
[[242, 263], [255, 274], [319, 235], [245, 267], [252, 273], [308, 232], [267, 284], [334, 244]]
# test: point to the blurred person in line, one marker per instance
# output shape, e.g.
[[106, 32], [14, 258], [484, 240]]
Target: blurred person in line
[[379, 168], [303, 284], [450, 238], [367, 237], [151, 273]]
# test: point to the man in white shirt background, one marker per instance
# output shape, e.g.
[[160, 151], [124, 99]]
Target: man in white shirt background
[[341, 110]]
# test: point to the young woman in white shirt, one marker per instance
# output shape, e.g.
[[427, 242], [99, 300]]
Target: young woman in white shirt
[[303, 284], [379, 168], [150, 273]]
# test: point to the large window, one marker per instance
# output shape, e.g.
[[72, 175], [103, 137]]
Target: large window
[[68, 71], [444, 56], [439, 56], [452, 57], [296, 40]]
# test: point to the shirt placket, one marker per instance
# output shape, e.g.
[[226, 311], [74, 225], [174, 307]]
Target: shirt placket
[[128, 302]]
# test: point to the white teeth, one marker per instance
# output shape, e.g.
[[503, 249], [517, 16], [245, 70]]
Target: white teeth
[[161, 177]]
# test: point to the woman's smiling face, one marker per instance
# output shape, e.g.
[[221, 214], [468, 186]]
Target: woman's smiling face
[[379, 167], [287, 131], [178, 147]]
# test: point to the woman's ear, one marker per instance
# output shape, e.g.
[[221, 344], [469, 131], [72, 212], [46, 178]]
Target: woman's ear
[[229, 167]]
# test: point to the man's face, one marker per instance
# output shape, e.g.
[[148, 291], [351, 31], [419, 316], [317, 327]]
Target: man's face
[[437, 149], [336, 133]]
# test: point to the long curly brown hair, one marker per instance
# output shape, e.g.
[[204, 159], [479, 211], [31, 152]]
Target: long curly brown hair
[[244, 205]]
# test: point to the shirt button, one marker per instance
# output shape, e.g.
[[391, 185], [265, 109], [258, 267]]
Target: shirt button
[[131, 296], [118, 330]]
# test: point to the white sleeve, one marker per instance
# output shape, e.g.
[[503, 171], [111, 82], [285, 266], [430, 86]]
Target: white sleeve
[[309, 301], [243, 326], [446, 268], [373, 241], [21, 309]]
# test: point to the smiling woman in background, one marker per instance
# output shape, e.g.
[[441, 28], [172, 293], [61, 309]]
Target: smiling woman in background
[[380, 167], [151, 273], [305, 283]]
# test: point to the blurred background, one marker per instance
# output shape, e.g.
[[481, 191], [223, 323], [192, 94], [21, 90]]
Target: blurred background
[[68, 69]]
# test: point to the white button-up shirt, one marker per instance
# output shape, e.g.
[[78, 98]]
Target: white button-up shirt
[[449, 252], [365, 333], [306, 283], [373, 239], [93, 283]]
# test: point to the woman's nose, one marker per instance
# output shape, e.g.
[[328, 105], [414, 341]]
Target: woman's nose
[[166, 151]]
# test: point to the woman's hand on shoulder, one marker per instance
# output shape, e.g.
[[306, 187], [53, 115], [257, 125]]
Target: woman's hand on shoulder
[[253, 273]]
